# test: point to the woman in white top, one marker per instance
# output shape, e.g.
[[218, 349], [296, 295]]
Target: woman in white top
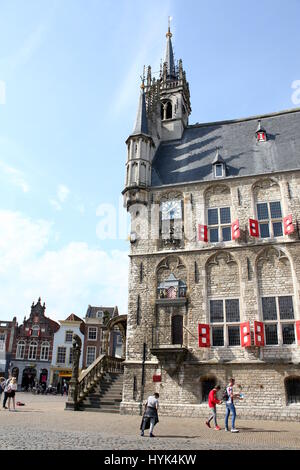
[[12, 387]]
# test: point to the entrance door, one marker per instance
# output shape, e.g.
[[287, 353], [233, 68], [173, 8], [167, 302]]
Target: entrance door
[[28, 378], [177, 329]]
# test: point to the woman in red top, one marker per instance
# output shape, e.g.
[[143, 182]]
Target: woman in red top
[[212, 402]]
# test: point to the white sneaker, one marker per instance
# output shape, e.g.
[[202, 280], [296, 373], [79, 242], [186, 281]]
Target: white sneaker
[[235, 430], [226, 429]]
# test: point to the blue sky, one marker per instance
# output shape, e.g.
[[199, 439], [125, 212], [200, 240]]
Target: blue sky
[[71, 71]]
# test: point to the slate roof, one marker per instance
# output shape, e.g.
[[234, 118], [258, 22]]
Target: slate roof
[[141, 122], [190, 159], [92, 311]]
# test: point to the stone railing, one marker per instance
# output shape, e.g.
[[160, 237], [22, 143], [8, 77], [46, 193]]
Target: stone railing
[[91, 376]]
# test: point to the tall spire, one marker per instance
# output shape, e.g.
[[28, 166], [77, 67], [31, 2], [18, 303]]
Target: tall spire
[[141, 123], [169, 58]]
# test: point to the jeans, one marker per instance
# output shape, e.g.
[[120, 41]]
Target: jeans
[[230, 408], [213, 415], [152, 423]]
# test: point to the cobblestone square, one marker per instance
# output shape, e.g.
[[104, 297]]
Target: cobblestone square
[[43, 423]]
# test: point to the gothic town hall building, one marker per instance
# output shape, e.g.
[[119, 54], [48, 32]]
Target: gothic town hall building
[[214, 273]]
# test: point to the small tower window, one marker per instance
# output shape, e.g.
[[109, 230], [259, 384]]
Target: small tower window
[[169, 113], [261, 134], [166, 110]]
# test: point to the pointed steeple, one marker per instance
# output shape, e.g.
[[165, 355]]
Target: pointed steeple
[[169, 58], [141, 123]]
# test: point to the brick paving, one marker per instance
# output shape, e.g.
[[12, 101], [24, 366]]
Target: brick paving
[[44, 424]]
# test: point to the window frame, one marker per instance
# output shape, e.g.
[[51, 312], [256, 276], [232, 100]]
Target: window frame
[[94, 328], [225, 324], [219, 165], [45, 345], [219, 226], [87, 354], [20, 343], [270, 221], [33, 346], [3, 341], [66, 333], [279, 322], [58, 352]]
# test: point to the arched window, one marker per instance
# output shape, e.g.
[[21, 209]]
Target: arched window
[[218, 214], [278, 306], [32, 350], [169, 112], [35, 331], [20, 350], [45, 348], [267, 200], [292, 389], [166, 110]]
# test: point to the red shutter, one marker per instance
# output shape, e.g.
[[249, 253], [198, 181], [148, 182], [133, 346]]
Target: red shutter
[[29, 332], [288, 225], [253, 226], [156, 378], [245, 334], [204, 336], [235, 230], [39, 333], [259, 336], [298, 332], [202, 233]]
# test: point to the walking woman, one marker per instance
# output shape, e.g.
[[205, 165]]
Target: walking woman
[[12, 392]]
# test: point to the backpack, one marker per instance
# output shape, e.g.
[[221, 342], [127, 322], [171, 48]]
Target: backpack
[[225, 395]]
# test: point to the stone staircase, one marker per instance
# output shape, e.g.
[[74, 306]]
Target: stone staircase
[[106, 396]]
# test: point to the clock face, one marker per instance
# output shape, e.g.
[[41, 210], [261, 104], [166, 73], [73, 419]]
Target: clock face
[[171, 210]]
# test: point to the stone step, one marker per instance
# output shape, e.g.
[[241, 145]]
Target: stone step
[[102, 410]]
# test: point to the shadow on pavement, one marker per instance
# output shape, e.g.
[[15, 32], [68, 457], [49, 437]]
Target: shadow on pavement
[[261, 430], [177, 437]]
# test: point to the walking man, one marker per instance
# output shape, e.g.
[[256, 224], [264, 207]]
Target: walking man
[[230, 408], [6, 384], [212, 402], [150, 414]]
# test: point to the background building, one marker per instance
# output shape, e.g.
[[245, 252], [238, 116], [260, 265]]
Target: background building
[[214, 279], [62, 357], [7, 334], [32, 348], [96, 334]]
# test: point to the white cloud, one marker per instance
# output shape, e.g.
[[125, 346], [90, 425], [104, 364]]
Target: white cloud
[[62, 193], [15, 176], [67, 279]]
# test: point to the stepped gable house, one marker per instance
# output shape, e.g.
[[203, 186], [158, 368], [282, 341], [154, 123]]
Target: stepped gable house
[[32, 348], [215, 255]]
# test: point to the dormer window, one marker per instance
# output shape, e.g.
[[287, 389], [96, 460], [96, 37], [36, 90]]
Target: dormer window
[[261, 134], [219, 170], [219, 167]]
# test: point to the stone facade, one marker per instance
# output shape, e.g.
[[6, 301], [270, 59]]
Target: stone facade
[[249, 273]]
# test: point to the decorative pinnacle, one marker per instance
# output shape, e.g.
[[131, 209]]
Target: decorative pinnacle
[[169, 34], [143, 79]]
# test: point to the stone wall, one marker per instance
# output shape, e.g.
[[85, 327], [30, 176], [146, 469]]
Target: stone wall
[[246, 269]]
